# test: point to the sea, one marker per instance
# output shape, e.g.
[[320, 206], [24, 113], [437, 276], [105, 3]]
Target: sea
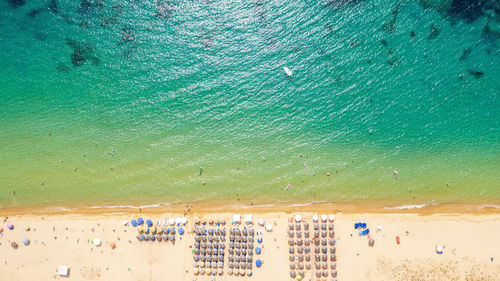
[[139, 102]]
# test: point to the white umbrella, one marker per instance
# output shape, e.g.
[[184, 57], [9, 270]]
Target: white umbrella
[[262, 222], [331, 218], [125, 223], [269, 227], [183, 220], [97, 241], [177, 220], [315, 218], [171, 221], [298, 218], [323, 218]]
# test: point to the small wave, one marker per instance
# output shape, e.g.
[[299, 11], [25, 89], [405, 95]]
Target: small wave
[[117, 207], [489, 206], [408, 207]]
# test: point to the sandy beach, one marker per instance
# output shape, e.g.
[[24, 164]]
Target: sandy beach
[[470, 247]]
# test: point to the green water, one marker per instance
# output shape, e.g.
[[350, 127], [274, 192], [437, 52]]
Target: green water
[[205, 87]]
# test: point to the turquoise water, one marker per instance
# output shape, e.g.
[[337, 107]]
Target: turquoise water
[[106, 102]]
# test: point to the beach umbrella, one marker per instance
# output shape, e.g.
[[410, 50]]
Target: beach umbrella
[[153, 238], [290, 233], [323, 218], [292, 273], [171, 221], [316, 226], [14, 245], [258, 263], [308, 257], [325, 273], [301, 266], [315, 218], [196, 257], [292, 265], [300, 257], [317, 265], [183, 220], [202, 270], [10, 226], [177, 220], [26, 241], [331, 218], [112, 245], [97, 242], [334, 273], [290, 242], [149, 223], [318, 274], [140, 221], [306, 226], [306, 234], [258, 250], [333, 265], [307, 242], [196, 270], [181, 231], [298, 218], [262, 222], [230, 271], [371, 242], [308, 266], [133, 223], [159, 238], [324, 265], [331, 234], [165, 237]]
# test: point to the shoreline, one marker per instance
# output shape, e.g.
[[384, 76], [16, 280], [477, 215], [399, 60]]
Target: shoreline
[[212, 207]]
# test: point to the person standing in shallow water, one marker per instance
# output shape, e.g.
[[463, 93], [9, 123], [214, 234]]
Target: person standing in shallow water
[[201, 171]]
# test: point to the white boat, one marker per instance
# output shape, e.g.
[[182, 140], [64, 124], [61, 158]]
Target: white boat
[[287, 71]]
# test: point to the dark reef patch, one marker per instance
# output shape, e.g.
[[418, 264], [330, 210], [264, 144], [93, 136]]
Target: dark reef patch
[[53, 6], [164, 10], [35, 12], [81, 53], [390, 25], [469, 10], [476, 74], [412, 34], [465, 53], [62, 68], [16, 3], [434, 32]]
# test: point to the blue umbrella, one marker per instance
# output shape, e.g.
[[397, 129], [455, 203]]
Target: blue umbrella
[[26, 241], [140, 221], [149, 223], [258, 250], [133, 223], [258, 263], [181, 230]]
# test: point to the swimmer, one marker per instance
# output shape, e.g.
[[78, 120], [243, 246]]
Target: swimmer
[[288, 187], [328, 173], [396, 172], [203, 182]]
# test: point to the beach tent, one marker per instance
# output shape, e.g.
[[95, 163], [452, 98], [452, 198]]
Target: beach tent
[[62, 270], [236, 218], [26, 241], [133, 223], [258, 263], [248, 219], [140, 221], [149, 223]]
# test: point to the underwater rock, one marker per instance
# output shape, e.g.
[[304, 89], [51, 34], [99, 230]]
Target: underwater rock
[[85, 7], [412, 34], [476, 74], [81, 53], [390, 26], [434, 32], [16, 3], [164, 10], [77, 58], [469, 10], [62, 68], [489, 33], [393, 61], [53, 7], [465, 54], [383, 42], [33, 13], [127, 35]]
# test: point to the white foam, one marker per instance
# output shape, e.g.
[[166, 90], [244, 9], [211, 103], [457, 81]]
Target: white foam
[[408, 207]]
